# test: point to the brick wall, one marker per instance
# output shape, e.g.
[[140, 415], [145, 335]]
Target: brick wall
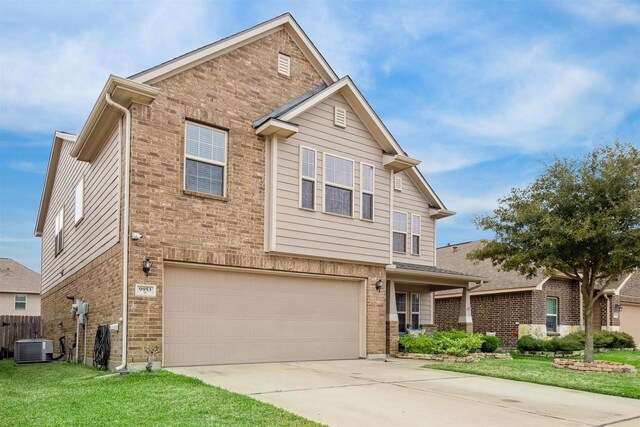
[[228, 92], [491, 313], [568, 294], [100, 285]]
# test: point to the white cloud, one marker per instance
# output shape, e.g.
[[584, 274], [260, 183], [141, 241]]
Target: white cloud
[[27, 166], [605, 12]]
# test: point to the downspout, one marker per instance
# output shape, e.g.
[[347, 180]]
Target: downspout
[[608, 312], [125, 249]]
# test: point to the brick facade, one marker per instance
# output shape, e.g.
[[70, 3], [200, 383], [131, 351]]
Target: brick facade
[[227, 92], [502, 313]]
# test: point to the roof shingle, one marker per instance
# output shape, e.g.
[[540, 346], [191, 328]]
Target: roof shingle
[[15, 277]]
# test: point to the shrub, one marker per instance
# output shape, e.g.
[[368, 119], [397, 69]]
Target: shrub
[[569, 342], [602, 339], [417, 343], [490, 343], [455, 343], [622, 340], [529, 343]]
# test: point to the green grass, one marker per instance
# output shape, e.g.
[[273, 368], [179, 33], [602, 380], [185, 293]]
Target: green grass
[[55, 394], [538, 370]]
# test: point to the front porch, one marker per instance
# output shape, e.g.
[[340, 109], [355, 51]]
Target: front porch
[[410, 299]]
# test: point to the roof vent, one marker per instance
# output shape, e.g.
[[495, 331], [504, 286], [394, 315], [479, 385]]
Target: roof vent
[[340, 117], [398, 183], [284, 64]]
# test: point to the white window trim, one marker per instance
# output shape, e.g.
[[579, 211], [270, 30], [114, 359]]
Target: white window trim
[[413, 249], [406, 232], [327, 182], [77, 218], [314, 179], [15, 302], [203, 160], [362, 191], [414, 312], [405, 308], [554, 315]]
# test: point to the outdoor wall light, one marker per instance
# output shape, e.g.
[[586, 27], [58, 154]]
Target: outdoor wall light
[[146, 266], [379, 285], [617, 308]]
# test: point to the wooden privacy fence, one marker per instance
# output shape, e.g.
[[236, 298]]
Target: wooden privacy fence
[[19, 327]]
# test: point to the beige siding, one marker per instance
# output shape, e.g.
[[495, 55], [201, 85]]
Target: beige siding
[[411, 201], [99, 228], [318, 234], [7, 305]]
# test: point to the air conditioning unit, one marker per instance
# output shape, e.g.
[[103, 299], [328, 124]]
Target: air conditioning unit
[[32, 351]]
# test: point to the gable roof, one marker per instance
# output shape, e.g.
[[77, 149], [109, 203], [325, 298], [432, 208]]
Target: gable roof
[[347, 88], [454, 257], [205, 53], [15, 277], [52, 168]]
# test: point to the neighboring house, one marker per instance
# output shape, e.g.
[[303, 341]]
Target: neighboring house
[[511, 305], [19, 289], [276, 216]]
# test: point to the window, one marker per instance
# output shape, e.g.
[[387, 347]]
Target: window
[[552, 314], [20, 302], [205, 159], [307, 178], [338, 189], [284, 64], [399, 232], [367, 174], [79, 205], [415, 234], [401, 308], [415, 311], [59, 231]]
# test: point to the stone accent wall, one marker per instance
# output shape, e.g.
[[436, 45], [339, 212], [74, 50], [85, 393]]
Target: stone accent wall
[[227, 92], [100, 284], [497, 313]]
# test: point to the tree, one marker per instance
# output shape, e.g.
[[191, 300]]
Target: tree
[[581, 217]]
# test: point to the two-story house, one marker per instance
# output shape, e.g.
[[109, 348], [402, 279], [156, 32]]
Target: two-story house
[[240, 203]]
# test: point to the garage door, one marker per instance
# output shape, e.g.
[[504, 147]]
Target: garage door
[[226, 316], [630, 321]]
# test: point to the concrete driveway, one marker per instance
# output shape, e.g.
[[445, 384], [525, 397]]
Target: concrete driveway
[[400, 392]]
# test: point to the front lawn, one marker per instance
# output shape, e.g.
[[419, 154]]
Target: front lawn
[[54, 394], [538, 370]]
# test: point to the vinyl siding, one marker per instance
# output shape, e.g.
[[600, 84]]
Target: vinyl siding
[[317, 234], [99, 229], [411, 200], [7, 300]]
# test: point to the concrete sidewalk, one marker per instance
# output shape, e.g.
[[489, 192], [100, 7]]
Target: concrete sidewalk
[[400, 392]]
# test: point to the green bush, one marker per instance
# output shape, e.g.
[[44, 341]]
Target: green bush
[[622, 340], [417, 343], [529, 343], [490, 343], [455, 343], [602, 339], [569, 342]]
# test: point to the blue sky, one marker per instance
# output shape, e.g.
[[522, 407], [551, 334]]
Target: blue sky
[[482, 92]]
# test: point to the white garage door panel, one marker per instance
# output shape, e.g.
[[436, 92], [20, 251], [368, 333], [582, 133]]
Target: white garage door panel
[[218, 317]]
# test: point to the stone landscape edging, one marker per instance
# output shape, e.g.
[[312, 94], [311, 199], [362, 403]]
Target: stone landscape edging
[[595, 366], [447, 358]]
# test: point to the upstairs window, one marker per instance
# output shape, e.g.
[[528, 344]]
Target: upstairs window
[[59, 231], [20, 302], [338, 189], [366, 188], [415, 234], [307, 178], [79, 202], [399, 232], [205, 159]]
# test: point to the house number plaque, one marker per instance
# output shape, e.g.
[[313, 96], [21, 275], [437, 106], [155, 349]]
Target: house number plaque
[[145, 290]]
